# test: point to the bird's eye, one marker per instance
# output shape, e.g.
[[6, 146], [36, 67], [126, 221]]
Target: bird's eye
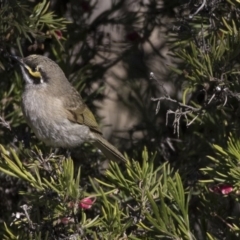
[[38, 69], [34, 73]]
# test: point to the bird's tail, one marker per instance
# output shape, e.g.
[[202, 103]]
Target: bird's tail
[[108, 149]]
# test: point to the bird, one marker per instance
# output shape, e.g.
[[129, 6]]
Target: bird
[[55, 110]]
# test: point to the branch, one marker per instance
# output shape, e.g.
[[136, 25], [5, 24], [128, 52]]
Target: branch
[[190, 108], [221, 93]]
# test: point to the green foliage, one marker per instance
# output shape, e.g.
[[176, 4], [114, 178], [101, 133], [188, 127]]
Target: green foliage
[[54, 198], [146, 201], [155, 195], [19, 23], [190, 188], [225, 163]]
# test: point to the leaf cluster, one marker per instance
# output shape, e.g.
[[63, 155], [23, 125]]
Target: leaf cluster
[[144, 202]]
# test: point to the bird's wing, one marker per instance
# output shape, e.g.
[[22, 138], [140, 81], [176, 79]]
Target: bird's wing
[[82, 115], [78, 112]]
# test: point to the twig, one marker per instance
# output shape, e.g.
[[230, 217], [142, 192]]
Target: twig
[[213, 96], [188, 124], [225, 101], [192, 109], [152, 76], [182, 110], [221, 93], [25, 209], [4, 123], [199, 9]]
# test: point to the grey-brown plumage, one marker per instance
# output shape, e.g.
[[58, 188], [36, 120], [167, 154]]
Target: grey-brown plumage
[[55, 110]]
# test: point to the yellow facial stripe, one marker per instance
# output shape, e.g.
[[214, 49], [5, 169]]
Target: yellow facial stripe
[[32, 73]]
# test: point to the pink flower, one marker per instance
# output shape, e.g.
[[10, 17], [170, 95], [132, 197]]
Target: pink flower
[[223, 189], [58, 33], [86, 203]]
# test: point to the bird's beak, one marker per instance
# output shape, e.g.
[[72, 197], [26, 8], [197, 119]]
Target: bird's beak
[[17, 59]]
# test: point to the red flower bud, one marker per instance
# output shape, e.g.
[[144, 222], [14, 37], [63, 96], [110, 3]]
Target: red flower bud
[[223, 189], [58, 33], [86, 203]]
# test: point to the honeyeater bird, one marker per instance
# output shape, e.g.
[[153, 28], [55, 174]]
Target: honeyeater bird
[[54, 109]]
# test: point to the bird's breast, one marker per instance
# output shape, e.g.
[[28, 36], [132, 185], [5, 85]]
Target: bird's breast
[[47, 117]]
